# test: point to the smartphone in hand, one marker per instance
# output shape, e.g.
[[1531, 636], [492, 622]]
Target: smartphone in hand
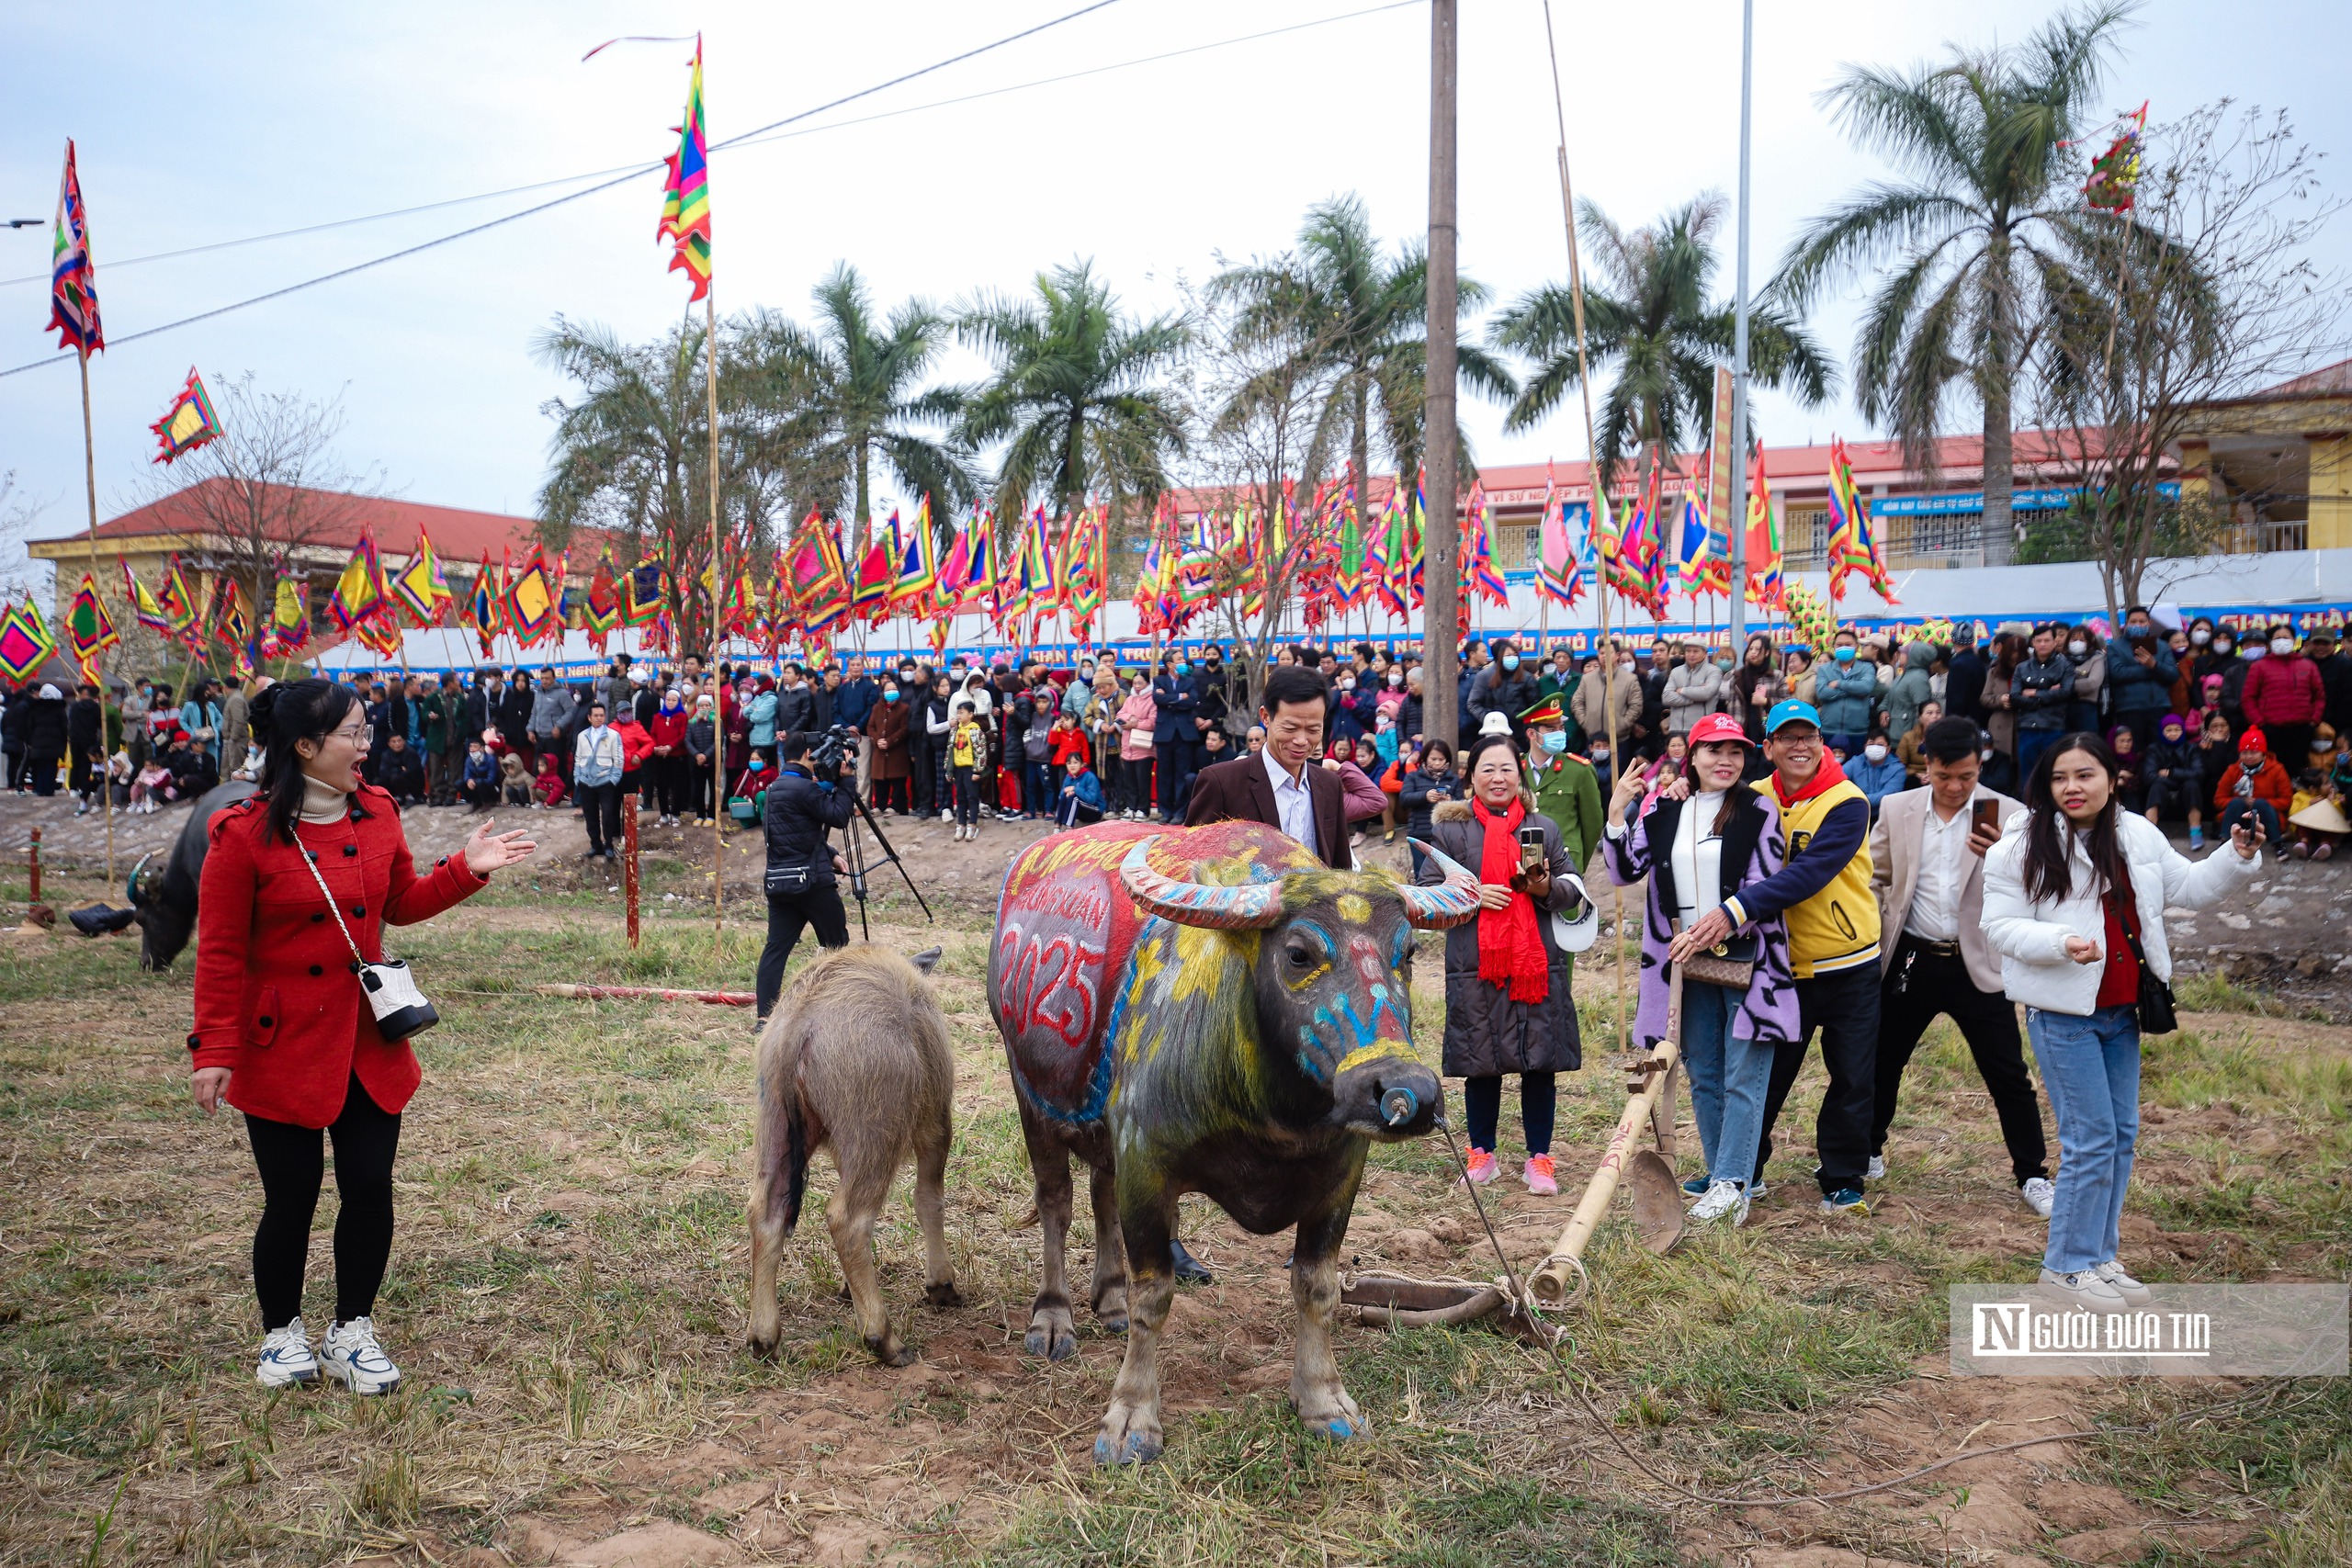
[[1530, 847], [1985, 816]]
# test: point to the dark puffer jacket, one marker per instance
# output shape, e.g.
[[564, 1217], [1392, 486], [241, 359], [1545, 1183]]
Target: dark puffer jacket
[[799, 810], [1485, 1032]]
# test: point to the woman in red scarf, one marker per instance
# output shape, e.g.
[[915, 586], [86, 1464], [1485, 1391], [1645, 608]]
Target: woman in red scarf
[[1507, 1004]]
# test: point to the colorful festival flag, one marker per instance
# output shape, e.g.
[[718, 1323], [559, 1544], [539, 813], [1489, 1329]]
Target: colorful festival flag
[[188, 423], [359, 591], [73, 276], [641, 598], [25, 641], [485, 606], [603, 611], [144, 609], [2115, 174], [89, 630], [420, 586], [233, 623], [686, 199], [530, 601], [1852, 544], [918, 557], [290, 620], [1765, 585], [178, 601]]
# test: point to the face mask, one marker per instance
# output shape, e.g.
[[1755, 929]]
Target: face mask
[[1987, 754], [2282, 645], [1600, 753], [2077, 648], [1555, 741], [2200, 636], [889, 697], [1875, 753], [1395, 681], [1844, 656], [1510, 660], [1725, 663], [1179, 667], [1347, 683]]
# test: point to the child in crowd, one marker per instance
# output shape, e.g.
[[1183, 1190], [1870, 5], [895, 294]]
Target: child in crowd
[[151, 787], [1065, 740], [2255, 785], [480, 781], [2315, 818], [1668, 766], [549, 786], [1878, 774], [514, 783], [1081, 793], [2131, 783], [2174, 773], [968, 747]]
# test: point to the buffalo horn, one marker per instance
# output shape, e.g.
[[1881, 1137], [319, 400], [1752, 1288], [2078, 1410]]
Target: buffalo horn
[[1445, 906], [1253, 905]]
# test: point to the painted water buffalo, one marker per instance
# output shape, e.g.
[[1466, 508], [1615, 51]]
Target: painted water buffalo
[[1206, 1011], [166, 902], [857, 1060]]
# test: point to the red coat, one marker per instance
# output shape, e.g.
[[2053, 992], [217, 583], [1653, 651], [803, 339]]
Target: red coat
[[636, 744], [2270, 783], [669, 730], [1067, 743], [2284, 688], [276, 1000]]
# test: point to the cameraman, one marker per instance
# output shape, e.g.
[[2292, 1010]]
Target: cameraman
[[800, 862]]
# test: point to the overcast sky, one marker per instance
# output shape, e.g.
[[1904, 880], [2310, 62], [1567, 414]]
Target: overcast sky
[[197, 128]]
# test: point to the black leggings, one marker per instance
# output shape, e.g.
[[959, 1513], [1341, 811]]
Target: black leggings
[[1482, 1108], [292, 1164]]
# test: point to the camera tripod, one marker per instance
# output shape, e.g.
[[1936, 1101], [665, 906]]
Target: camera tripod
[[853, 841]]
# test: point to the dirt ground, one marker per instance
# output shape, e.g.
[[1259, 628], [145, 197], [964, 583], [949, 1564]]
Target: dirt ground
[[568, 1301]]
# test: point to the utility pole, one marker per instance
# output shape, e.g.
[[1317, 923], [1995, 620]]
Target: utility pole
[[1441, 545], [1737, 522]]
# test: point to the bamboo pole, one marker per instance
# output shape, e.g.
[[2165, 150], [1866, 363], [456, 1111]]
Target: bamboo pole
[[718, 748], [98, 662]]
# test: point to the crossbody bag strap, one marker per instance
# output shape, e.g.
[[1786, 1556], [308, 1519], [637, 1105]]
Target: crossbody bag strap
[[312, 861], [2130, 936]]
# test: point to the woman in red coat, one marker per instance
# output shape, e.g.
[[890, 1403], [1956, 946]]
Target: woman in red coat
[[281, 1033]]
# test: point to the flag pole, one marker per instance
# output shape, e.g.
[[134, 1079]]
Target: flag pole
[[717, 752], [98, 663]]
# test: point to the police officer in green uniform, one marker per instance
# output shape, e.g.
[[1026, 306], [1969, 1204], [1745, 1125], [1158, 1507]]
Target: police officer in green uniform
[[1563, 784]]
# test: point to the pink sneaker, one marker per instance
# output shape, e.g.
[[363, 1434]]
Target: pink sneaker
[[1482, 1165], [1541, 1180]]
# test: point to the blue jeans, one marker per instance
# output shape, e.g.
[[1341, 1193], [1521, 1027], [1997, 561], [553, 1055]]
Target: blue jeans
[[1042, 789], [2032, 744], [2262, 811], [2090, 1067], [1728, 1080]]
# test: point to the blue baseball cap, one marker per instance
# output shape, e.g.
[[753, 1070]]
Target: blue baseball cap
[[1791, 712]]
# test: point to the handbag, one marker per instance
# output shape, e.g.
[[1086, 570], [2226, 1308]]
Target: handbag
[[399, 1007], [1730, 964], [787, 881], [2154, 1003]]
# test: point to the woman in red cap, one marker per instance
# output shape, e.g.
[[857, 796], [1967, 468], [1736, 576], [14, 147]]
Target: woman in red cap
[[296, 878]]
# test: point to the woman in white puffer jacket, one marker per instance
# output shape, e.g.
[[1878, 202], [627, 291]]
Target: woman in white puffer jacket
[[2068, 954]]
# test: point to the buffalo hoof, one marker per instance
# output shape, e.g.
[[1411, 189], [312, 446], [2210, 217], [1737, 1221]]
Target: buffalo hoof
[[763, 1349], [891, 1352], [1128, 1437], [1055, 1343], [944, 1295]]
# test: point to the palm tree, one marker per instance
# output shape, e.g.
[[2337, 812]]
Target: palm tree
[[850, 388], [1652, 318], [1976, 234], [1358, 314], [632, 455], [1079, 396]]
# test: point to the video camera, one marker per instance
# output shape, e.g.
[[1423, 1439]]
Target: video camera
[[827, 752]]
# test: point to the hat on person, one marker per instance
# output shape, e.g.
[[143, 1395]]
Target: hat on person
[[2173, 721], [1495, 724], [1791, 712], [2254, 740], [1717, 726], [49, 693], [1545, 712]]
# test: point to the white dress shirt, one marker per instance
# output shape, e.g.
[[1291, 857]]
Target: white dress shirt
[[1934, 915], [1293, 802]]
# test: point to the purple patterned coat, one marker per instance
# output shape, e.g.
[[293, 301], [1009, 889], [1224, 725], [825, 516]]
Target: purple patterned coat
[[1752, 841]]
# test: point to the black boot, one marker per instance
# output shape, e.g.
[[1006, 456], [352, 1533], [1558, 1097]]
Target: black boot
[[1189, 1270]]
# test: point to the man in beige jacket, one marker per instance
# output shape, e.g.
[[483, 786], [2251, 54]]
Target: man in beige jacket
[[1928, 869], [1624, 691]]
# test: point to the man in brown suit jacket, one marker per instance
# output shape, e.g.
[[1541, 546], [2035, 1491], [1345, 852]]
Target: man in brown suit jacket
[[1282, 786], [1928, 869]]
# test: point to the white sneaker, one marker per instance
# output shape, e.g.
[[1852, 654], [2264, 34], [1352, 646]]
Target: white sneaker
[[1722, 1198], [2040, 1195], [286, 1358], [350, 1355], [2082, 1289], [947, 815], [1877, 1171], [2133, 1292]]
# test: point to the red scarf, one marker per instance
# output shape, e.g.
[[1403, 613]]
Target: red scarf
[[1511, 949]]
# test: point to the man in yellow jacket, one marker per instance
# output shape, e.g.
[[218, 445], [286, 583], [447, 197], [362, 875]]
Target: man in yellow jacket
[[1824, 896]]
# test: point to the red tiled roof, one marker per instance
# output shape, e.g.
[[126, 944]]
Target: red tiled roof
[[457, 534]]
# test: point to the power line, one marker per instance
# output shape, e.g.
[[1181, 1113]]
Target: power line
[[748, 139], [607, 184]]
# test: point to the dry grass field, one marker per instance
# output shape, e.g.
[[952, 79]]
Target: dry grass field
[[567, 1298]]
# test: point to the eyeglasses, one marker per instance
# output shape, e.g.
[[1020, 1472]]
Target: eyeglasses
[[348, 733]]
